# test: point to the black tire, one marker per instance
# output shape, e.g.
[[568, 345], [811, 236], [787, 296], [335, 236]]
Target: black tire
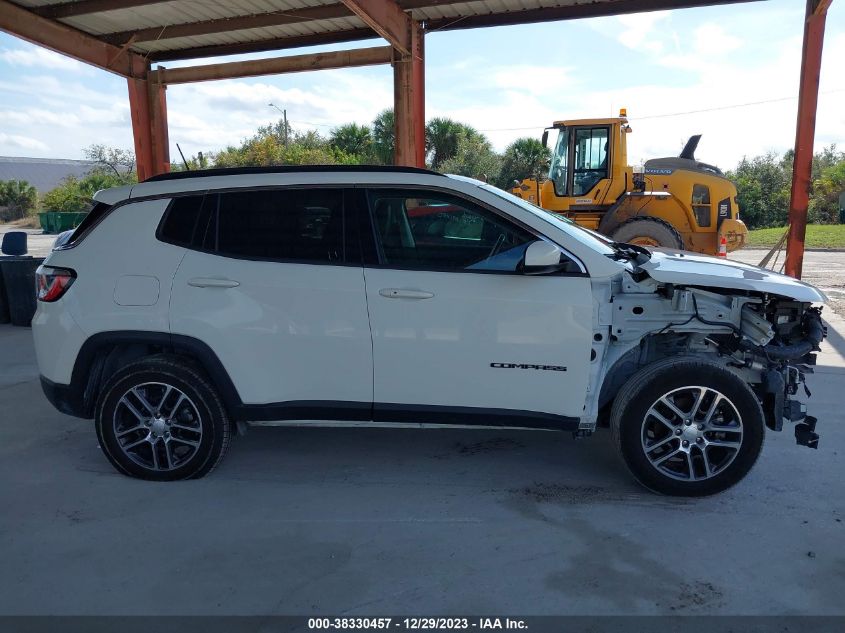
[[652, 229], [197, 433], [635, 422]]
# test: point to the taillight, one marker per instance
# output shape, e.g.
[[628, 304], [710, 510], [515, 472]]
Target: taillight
[[52, 283]]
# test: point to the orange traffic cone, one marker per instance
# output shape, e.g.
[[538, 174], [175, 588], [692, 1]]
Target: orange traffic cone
[[723, 247]]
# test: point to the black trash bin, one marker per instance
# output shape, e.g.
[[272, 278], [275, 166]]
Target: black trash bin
[[4, 302], [19, 279]]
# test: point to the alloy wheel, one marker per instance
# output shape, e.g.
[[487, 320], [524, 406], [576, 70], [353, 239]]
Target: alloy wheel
[[692, 433], [157, 426]]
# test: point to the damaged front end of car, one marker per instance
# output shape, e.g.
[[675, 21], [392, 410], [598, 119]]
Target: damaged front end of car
[[784, 354], [764, 327]]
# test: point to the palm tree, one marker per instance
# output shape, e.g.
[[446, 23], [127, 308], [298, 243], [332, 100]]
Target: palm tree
[[18, 197], [384, 138], [442, 137], [524, 158], [352, 139]]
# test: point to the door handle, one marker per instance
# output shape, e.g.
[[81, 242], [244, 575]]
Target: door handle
[[211, 282], [402, 293]]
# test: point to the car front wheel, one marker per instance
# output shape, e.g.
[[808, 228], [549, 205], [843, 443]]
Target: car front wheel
[[687, 427], [159, 418]]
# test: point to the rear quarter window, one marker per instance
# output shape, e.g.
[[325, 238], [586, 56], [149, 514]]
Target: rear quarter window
[[181, 222]]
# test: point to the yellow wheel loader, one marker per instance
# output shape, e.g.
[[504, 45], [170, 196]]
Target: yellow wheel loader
[[677, 202]]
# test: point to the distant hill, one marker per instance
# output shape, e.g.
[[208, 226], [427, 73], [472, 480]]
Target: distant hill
[[42, 173]]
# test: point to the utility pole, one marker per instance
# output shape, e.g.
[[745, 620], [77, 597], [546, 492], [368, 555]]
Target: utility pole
[[284, 118]]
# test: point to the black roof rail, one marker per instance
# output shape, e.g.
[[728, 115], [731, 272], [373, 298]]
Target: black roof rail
[[288, 169]]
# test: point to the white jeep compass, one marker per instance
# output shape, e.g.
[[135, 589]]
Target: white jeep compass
[[196, 302]]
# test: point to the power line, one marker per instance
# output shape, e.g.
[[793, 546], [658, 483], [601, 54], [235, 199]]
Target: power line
[[672, 114]]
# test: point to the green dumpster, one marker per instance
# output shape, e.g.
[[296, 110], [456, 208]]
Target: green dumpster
[[60, 221]]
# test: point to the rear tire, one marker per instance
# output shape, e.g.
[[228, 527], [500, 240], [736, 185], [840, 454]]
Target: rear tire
[[160, 419], [687, 427], [648, 231]]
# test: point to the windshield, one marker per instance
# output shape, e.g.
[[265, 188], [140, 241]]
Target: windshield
[[558, 169], [585, 236]]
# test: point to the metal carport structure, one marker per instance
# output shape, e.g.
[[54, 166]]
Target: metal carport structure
[[130, 37]]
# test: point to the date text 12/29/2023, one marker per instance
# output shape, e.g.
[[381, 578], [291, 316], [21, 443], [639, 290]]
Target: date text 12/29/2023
[[417, 623]]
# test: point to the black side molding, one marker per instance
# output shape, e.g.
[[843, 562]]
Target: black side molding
[[471, 416]]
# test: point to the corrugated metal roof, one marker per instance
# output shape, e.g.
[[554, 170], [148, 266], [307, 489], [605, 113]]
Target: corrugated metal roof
[[175, 29]]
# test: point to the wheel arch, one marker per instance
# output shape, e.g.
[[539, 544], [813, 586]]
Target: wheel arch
[[663, 211], [105, 352]]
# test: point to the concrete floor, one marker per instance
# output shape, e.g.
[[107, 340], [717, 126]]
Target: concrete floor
[[365, 521]]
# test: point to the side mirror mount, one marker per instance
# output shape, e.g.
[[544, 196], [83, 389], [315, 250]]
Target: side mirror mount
[[542, 258], [545, 138]]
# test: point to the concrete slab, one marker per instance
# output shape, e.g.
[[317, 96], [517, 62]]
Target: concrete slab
[[364, 521]]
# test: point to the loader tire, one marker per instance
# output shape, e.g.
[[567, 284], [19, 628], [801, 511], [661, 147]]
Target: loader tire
[[649, 232]]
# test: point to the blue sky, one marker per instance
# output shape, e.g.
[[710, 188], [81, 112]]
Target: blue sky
[[507, 82]]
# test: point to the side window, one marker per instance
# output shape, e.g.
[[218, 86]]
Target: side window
[[434, 231], [701, 204], [293, 224], [591, 157], [181, 221]]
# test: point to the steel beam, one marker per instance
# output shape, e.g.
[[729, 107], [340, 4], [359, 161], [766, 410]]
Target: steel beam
[[69, 41], [805, 130], [275, 65], [409, 102], [386, 18], [158, 124], [148, 111], [139, 112], [85, 7]]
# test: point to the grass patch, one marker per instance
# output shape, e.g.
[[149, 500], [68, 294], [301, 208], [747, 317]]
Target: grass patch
[[818, 236]]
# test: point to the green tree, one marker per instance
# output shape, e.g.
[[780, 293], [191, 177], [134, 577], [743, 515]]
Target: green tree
[[474, 158], [75, 194], [524, 158], [384, 138], [352, 139], [824, 203], [763, 185], [120, 162], [267, 148], [17, 199], [441, 140]]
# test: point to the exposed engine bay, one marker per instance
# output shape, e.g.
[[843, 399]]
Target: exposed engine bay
[[766, 339]]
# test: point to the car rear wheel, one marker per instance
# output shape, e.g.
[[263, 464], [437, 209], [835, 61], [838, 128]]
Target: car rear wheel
[[160, 419], [687, 427]]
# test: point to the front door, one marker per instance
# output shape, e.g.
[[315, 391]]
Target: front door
[[460, 336]]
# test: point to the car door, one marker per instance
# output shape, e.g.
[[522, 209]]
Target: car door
[[274, 288], [459, 335]]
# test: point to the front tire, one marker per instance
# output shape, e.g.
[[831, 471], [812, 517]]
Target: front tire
[[687, 427], [159, 419]]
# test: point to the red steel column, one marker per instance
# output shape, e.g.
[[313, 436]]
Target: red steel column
[[158, 125], [802, 167], [409, 102], [139, 112], [418, 92]]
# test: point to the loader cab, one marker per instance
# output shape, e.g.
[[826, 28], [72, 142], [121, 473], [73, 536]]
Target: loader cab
[[588, 167]]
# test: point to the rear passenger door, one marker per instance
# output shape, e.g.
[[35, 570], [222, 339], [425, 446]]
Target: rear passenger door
[[272, 283]]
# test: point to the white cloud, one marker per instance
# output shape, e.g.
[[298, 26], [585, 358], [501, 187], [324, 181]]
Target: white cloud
[[40, 57], [18, 141], [639, 30]]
